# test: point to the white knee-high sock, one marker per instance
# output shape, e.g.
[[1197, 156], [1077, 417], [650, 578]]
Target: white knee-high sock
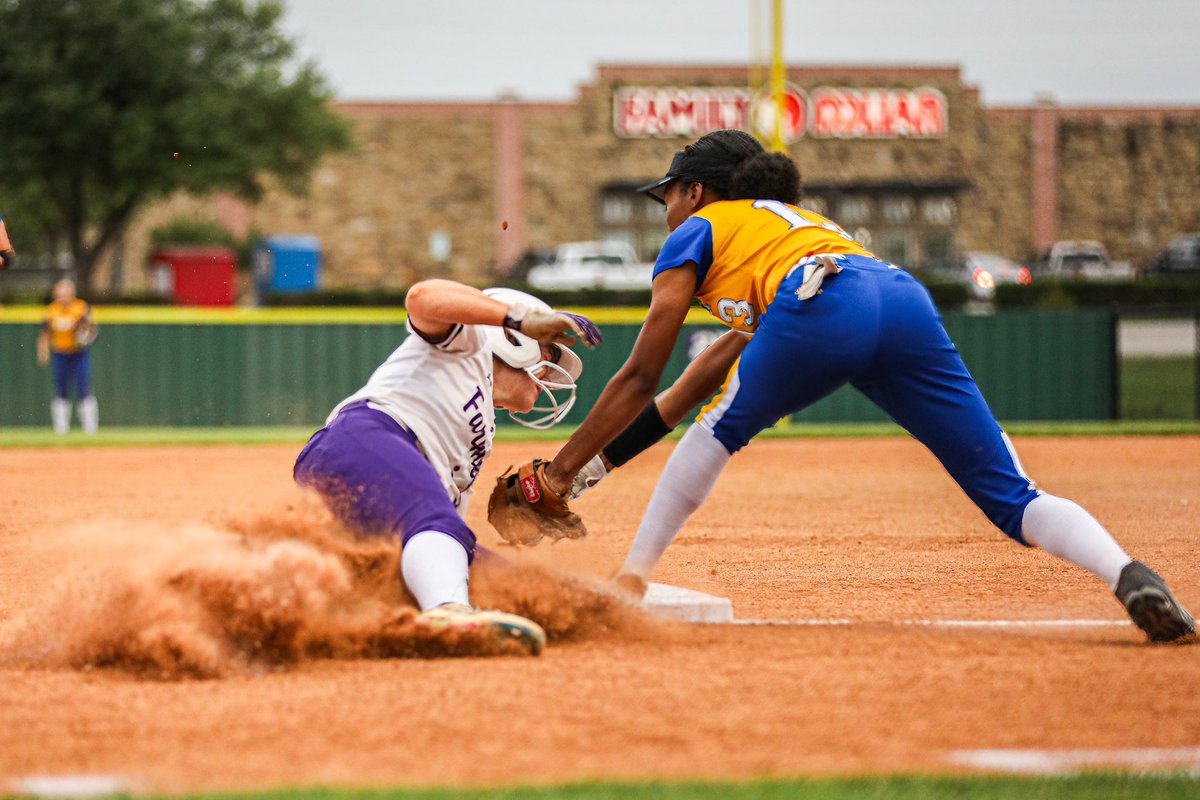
[[89, 414], [434, 565], [1064, 529], [60, 414], [682, 488]]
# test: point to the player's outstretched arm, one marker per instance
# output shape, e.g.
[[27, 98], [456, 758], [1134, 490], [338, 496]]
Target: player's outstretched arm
[[434, 306], [699, 381], [43, 347], [628, 392], [702, 377]]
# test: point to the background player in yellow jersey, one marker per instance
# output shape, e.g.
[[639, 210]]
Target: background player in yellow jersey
[[67, 333], [814, 310]]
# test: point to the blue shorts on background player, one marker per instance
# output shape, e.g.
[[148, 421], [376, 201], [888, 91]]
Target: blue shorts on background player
[[817, 310]]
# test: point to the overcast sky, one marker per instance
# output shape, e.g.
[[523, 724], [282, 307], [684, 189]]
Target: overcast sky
[[1082, 51]]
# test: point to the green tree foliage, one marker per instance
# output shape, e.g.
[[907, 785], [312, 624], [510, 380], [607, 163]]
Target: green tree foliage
[[106, 105]]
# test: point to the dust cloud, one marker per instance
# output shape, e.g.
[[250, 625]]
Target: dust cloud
[[240, 596]]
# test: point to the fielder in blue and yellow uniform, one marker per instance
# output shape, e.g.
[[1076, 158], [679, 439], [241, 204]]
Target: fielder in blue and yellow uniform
[[66, 335], [814, 310], [873, 326]]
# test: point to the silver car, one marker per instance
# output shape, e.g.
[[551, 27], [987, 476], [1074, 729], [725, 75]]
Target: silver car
[[983, 272]]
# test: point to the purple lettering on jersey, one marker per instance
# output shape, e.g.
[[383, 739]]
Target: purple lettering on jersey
[[475, 400], [479, 427]]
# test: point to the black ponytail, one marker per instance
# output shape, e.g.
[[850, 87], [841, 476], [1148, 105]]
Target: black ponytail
[[766, 176]]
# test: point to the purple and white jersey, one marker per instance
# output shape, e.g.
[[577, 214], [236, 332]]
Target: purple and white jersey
[[442, 392]]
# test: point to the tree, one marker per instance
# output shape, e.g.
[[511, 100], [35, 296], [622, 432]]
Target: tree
[[107, 105]]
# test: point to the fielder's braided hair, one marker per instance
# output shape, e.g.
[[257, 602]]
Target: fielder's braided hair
[[766, 176]]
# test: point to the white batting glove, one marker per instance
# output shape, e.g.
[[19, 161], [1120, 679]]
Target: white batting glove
[[592, 473]]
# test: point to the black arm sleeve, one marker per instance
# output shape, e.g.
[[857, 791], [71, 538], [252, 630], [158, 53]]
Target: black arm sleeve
[[6, 258], [646, 430]]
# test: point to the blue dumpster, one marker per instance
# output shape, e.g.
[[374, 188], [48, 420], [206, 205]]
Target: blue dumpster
[[287, 264]]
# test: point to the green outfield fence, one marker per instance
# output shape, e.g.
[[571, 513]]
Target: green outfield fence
[[196, 367]]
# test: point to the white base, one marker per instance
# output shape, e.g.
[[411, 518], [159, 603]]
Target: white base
[[1061, 762], [687, 605], [69, 786]]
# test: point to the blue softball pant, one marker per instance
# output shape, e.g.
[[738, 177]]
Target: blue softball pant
[[72, 368], [875, 327]]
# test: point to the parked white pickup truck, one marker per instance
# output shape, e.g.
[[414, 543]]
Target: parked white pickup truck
[[1084, 260], [592, 265]]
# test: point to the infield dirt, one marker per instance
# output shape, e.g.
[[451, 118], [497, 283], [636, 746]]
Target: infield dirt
[[186, 619]]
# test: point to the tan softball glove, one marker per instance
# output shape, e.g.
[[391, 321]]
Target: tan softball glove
[[523, 509]]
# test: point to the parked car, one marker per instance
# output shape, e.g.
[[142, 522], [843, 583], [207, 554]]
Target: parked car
[[531, 258], [1181, 257], [1081, 260], [981, 273], [592, 265]]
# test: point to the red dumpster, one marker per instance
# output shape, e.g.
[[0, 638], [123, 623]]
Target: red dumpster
[[194, 276]]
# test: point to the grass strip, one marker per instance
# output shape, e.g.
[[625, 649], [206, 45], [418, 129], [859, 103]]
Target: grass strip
[[1094, 786], [134, 436]]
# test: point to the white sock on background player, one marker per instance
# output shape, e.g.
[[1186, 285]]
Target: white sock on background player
[[435, 569], [89, 414], [60, 414], [685, 484], [1064, 529]]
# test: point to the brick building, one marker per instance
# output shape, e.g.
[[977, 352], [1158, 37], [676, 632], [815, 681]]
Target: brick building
[[907, 158]]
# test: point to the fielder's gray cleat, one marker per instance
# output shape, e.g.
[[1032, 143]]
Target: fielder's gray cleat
[[1152, 606]]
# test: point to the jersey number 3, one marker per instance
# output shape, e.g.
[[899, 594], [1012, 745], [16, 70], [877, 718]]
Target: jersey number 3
[[728, 309]]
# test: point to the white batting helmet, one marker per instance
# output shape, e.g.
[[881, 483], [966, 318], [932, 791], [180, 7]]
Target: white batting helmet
[[558, 376]]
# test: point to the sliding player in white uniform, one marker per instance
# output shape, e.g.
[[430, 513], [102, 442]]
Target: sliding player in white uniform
[[398, 458]]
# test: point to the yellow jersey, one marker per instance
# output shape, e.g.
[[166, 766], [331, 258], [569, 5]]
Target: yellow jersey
[[743, 249], [62, 322]]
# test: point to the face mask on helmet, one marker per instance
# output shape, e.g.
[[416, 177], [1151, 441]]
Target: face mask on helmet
[[555, 378]]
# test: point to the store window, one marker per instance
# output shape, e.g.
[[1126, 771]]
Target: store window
[[616, 208], [910, 227], [938, 210], [855, 210], [815, 204], [898, 210], [626, 216], [914, 228]]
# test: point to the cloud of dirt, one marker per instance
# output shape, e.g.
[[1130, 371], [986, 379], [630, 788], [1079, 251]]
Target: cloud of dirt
[[246, 595]]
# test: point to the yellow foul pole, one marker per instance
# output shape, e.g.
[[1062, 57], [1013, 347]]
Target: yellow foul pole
[[777, 145], [778, 76]]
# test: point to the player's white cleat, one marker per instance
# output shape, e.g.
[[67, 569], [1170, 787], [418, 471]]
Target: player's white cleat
[[504, 627], [1152, 606]]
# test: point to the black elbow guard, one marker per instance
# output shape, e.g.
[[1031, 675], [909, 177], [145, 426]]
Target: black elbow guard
[[7, 257], [646, 430]]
